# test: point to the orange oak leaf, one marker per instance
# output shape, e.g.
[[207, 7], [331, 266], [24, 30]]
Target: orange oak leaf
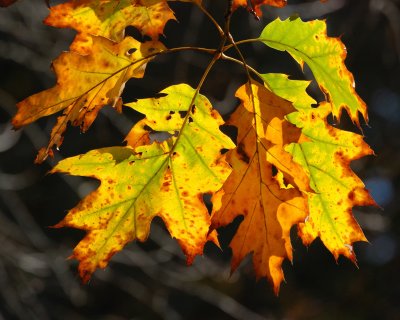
[[254, 190], [109, 19], [85, 84], [254, 5]]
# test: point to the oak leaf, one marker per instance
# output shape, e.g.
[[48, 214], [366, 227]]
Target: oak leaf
[[254, 190], [256, 4], [166, 179], [109, 19], [325, 154], [85, 84], [326, 158], [308, 42]]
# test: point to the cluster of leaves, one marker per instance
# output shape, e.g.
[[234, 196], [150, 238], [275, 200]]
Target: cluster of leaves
[[288, 165]]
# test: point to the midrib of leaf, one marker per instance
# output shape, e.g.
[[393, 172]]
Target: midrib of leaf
[[163, 164], [102, 82], [325, 216]]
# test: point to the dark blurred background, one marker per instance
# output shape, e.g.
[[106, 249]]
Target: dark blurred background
[[151, 280]]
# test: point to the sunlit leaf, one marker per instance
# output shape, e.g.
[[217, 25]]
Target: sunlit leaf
[[254, 190], [308, 42], [325, 155], [326, 158], [166, 179], [85, 84], [109, 19]]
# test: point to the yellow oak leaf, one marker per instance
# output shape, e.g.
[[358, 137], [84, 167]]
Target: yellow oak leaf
[[325, 153], [85, 84], [326, 158], [109, 19], [254, 191], [166, 179]]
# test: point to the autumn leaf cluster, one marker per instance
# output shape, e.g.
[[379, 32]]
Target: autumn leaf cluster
[[287, 166]]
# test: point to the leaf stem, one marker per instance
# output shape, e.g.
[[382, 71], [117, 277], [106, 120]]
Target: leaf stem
[[217, 55], [250, 68], [215, 23], [246, 41], [205, 11]]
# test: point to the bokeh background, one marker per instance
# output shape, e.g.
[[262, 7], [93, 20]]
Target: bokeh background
[[151, 280]]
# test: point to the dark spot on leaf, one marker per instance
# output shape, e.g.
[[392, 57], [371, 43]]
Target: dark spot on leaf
[[352, 195], [214, 114], [274, 170], [147, 128], [193, 109], [168, 117], [130, 51], [182, 114], [172, 112], [190, 119], [242, 153]]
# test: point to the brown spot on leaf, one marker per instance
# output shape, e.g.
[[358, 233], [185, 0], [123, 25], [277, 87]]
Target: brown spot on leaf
[[242, 153], [182, 114]]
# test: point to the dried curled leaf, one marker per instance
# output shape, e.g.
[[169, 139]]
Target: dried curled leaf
[[308, 42], [254, 190], [166, 179], [85, 84]]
